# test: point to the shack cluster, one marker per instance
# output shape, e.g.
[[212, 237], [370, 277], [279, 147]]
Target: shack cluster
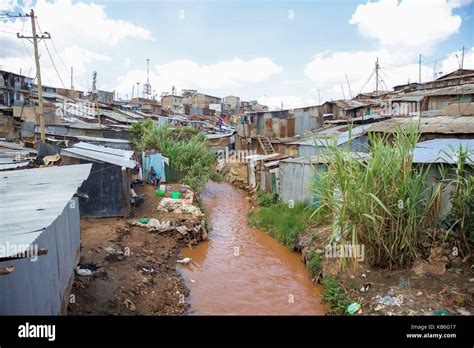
[[42, 202]]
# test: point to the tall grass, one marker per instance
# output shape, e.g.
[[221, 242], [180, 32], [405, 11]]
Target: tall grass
[[461, 216], [380, 201], [281, 221]]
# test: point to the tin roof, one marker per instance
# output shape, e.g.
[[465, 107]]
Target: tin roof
[[100, 153], [442, 150], [436, 124], [32, 199]]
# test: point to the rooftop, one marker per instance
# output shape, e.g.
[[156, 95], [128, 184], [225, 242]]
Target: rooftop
[[100, 153], [442, 150], [32, 199]]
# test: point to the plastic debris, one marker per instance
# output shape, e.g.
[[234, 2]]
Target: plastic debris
[[353, 308], [365, 287], [184, 261], [441, 312]]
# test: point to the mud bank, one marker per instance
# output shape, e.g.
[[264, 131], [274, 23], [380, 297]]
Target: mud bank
[[133, 262]]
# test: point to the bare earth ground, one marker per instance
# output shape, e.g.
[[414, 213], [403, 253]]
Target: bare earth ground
[[139, 276], [406, 292]]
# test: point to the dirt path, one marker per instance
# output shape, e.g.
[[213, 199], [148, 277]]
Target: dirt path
[[137, 267]]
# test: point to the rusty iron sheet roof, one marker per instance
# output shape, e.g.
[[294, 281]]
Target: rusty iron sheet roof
[[437, 124]]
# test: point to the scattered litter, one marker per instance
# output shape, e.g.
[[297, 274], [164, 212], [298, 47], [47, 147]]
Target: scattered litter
[[86, 269], [84, 272], [152, 224], [471, 280], [391, 292], [423, 268], [353, 308], [404, 283], [129, 304], [378, 307], [419, 293], [184, 261], [179, 206], [110, 250], [441, 312], [463, 311], [364, 275], [390, 300], [182, 229], [147, 269], [365, 287], [193, 281]]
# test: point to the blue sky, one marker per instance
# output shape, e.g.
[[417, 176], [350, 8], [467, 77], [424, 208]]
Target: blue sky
[[267, 50]]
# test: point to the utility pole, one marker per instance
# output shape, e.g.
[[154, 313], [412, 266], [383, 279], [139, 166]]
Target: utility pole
[[319, 97], [95, 95], [37, 38], [343, 94], [377, 76], [72, 78], [419, 69], [349, 85], [462, 58]]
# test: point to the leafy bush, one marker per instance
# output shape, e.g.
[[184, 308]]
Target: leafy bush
[[186, 148], [217, 177], [314, 263], [334, 296], [461, 217], [282, 222], [382, 202], [264, 199]]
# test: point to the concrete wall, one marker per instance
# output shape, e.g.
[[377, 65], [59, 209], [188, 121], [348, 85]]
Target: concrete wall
[[40, 288]]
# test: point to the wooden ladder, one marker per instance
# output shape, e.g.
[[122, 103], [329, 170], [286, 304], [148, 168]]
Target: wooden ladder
[[266, 145]]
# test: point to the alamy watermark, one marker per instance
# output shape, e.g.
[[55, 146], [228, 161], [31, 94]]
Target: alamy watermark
[[20, 251], [346, 250]]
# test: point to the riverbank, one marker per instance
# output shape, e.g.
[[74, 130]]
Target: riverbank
[[133, 263], [441, 284]]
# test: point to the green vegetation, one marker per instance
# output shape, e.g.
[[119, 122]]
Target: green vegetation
[[334, 296], [382, 201], [186, 148], [282, 222], [217, 177], [264, 199], [314, 263], [460, 220]]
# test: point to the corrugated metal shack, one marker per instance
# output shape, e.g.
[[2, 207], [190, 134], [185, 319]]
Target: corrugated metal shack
[[13, 155], [439, 153], [431, 127], [298, 175], [108, 186], [356, 140], [38, 211]]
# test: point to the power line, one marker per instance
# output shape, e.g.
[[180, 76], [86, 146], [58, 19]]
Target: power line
[[51, 57]]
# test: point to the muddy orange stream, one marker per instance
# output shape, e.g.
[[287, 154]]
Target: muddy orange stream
[[242, 270]]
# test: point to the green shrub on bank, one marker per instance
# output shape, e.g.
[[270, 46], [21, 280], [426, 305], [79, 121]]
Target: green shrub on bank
[[282, 222], [314, 263], [217, 177], [334, 296], [264, 199], [186, 148]]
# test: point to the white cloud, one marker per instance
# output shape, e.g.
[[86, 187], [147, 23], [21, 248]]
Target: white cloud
[[79, 31], [185, 73], [408, 23], [403, 29]]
